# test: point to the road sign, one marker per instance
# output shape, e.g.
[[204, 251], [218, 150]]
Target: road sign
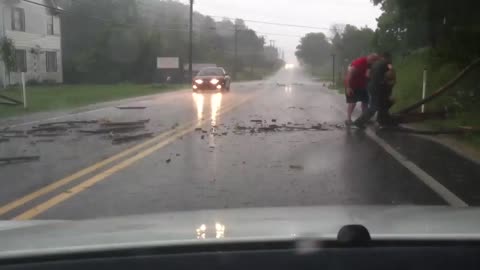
[[168, 63]]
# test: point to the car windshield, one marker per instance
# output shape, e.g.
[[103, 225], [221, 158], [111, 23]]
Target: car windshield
[[336, 105], [211, 72]]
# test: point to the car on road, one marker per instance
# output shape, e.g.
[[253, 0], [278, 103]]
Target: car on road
[[211, 78]]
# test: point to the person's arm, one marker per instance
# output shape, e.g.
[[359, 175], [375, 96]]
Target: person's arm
[[390, 76], [350, 75]]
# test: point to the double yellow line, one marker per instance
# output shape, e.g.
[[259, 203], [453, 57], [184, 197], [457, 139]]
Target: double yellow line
[[151, 146]]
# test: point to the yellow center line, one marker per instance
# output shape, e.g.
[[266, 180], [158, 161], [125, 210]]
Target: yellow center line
[[59, 183], [66, 180], [35, 211]]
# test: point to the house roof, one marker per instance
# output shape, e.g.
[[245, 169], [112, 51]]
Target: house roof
[[55, 5]]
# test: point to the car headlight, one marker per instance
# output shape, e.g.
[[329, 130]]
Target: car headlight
[[214, 81], [198, 81]]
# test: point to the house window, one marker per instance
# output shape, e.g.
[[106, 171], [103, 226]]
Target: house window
[[51, 61], [21, 60], [18, 19], [50, 30]]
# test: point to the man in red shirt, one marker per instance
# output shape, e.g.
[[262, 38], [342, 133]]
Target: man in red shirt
[[356, 84]]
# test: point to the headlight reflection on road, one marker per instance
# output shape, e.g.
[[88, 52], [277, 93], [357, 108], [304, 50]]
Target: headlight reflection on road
[[215, 106], [288, 89], [199, 101], [216, 103]]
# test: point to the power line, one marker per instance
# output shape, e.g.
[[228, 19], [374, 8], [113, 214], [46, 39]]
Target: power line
[[167, 29], [273, 23], [252, 21]]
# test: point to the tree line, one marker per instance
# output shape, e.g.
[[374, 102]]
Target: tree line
[[449, 28], [119, 40], [347, 43]]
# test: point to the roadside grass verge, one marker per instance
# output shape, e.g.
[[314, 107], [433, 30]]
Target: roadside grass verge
[[408, 89], [461, 100], [57, 97]]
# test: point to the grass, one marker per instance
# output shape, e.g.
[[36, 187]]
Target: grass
[[409, 90], [58, 97], [410, 79]]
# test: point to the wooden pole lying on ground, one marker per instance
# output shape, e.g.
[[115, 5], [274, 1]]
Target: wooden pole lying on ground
[[442, 89]]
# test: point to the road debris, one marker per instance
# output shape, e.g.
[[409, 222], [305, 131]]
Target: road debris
[[267, 129], [319, 127], [256, 121], [44, 141], [50, 134], [83, 122], [177, 155], [131, 138], [47, 129], [11, 131], [202, 137], [132, 123], [131, 107], [168, 160], [14, 136], [296, 167], [238, 127], [119, 129], [8, 160], [274, 120]]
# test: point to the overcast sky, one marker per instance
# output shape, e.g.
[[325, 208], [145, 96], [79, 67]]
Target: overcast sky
[[318, 13]]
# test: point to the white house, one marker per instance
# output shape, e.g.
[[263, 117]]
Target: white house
[[34, 27]]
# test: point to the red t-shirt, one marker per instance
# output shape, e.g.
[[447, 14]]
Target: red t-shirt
[[359, 79]]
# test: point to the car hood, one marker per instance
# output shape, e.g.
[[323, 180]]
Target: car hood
[[21, 238]]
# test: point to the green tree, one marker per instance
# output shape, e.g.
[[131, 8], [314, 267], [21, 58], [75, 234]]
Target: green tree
[[7, 53], [314, 49], [119, 40], [448, 27], [350, 42]]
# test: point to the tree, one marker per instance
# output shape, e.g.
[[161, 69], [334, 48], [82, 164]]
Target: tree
[[349, 42], [450, 28], [7, 53], [118, 40], [314, 49]]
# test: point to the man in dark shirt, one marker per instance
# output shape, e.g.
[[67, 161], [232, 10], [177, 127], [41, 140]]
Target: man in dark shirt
[[377, 88]]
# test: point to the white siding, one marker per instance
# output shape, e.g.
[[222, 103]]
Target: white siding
[[29, 40], [35, 36], [2, 29]]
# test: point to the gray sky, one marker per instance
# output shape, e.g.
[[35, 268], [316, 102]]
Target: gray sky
[[319, 13]]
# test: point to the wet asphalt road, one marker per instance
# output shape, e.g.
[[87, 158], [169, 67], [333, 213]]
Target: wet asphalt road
[[209, 154]]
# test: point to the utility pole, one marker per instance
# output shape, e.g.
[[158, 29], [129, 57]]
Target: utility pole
[[333, 69], [190, 44], [235, 59]]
